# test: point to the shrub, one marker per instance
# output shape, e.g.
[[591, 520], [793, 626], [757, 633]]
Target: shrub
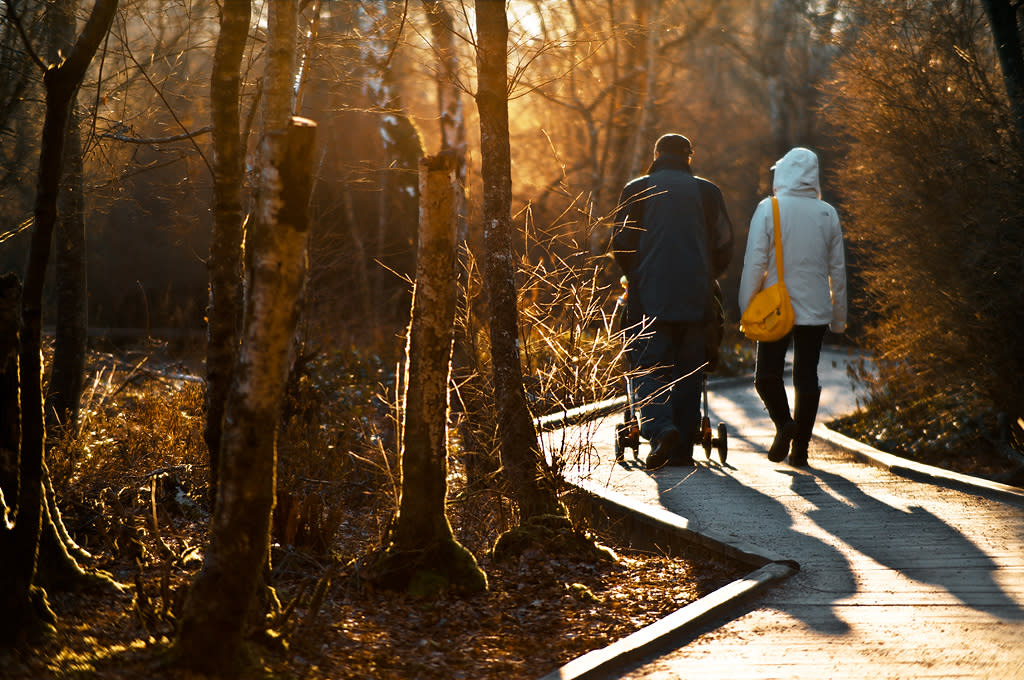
[[935, 210]]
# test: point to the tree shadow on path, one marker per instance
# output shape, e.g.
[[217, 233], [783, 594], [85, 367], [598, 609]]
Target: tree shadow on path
[[914, 542], [717, 503]]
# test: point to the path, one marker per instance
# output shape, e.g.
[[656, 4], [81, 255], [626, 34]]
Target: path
[[898, 578]]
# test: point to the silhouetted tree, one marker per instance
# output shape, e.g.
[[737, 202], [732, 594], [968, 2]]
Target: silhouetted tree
[[72, 323], [19, 543]]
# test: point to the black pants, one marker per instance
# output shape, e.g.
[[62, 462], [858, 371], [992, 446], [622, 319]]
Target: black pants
[[771, 360]]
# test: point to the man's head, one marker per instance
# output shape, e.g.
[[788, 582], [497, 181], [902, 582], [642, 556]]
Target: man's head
[[673, 144]]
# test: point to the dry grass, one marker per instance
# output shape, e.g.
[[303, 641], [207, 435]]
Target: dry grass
[[133, 485]]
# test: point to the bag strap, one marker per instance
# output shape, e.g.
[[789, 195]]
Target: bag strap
[[778, 239]]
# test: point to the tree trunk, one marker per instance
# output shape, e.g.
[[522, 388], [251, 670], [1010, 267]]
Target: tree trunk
[[401, 146], [72, 332], [17, 548], [10, 399], [521, 458], [423, 554], [17, 567], [449, 103], [211, 632], [1006, 31], [225, 263], [58, 564]]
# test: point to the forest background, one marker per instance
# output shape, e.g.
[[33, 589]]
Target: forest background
[[915, 108], [906, 104]]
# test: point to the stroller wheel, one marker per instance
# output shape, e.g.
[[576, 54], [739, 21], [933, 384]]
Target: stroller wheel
[[723, 442], [706, 436], [621, 436]]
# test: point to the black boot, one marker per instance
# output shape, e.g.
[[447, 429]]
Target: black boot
[[805, 411], [773, 394], [662, 448], [780, 445]]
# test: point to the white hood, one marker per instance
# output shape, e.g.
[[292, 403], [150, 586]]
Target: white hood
[[797, 173]]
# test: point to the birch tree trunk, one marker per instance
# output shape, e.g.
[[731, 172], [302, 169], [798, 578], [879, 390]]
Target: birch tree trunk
[[19, 543], [449, 103], [224, 265], [400, 143], [423, 554], [211, 634], [521, 456]]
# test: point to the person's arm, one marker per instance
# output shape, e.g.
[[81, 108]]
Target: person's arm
[[837, 278], [627, 225], [718, 226], [721, 248], [755, 259]]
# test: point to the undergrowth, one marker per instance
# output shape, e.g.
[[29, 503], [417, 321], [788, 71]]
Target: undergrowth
[[955, 428]]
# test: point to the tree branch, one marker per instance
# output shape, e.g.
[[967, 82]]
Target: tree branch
[[157, 140], [12, 15], [167, 104]]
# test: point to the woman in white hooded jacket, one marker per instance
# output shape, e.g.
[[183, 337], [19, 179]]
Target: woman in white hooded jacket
[[814, 270]]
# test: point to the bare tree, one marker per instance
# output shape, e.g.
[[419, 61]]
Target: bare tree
[[72, 323], [212, 631], [521, 456], [225, 262], [422, 553], [383, 21], [449, 101], [20, 541]]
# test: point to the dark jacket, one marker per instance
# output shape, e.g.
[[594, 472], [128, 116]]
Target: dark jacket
[[671, 237]]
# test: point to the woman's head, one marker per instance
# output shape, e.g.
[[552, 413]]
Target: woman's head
[[797, 172]]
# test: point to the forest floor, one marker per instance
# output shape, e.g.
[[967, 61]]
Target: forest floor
[[536, 616], [132, 490]]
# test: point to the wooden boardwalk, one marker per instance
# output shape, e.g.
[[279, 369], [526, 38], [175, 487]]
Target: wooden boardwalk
[[898, 578]]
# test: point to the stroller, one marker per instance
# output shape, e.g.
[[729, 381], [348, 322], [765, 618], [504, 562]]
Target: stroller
[[627, 433]]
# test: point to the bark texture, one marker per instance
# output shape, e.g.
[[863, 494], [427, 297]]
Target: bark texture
[[224, 266], [211, 635], [449, 102], [423, 554], [520, 449]]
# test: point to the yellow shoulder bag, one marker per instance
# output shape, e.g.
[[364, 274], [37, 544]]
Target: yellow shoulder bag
[[769, 316]]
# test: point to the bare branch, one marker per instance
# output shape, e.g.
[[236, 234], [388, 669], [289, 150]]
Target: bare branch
[[167, 104], [157, 140], [12, 15]]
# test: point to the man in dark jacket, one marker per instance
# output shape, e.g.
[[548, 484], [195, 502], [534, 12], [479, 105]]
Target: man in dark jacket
[[671, 237]]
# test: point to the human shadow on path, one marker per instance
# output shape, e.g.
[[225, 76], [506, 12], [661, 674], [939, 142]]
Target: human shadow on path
[[914, 542], [715, 502]]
